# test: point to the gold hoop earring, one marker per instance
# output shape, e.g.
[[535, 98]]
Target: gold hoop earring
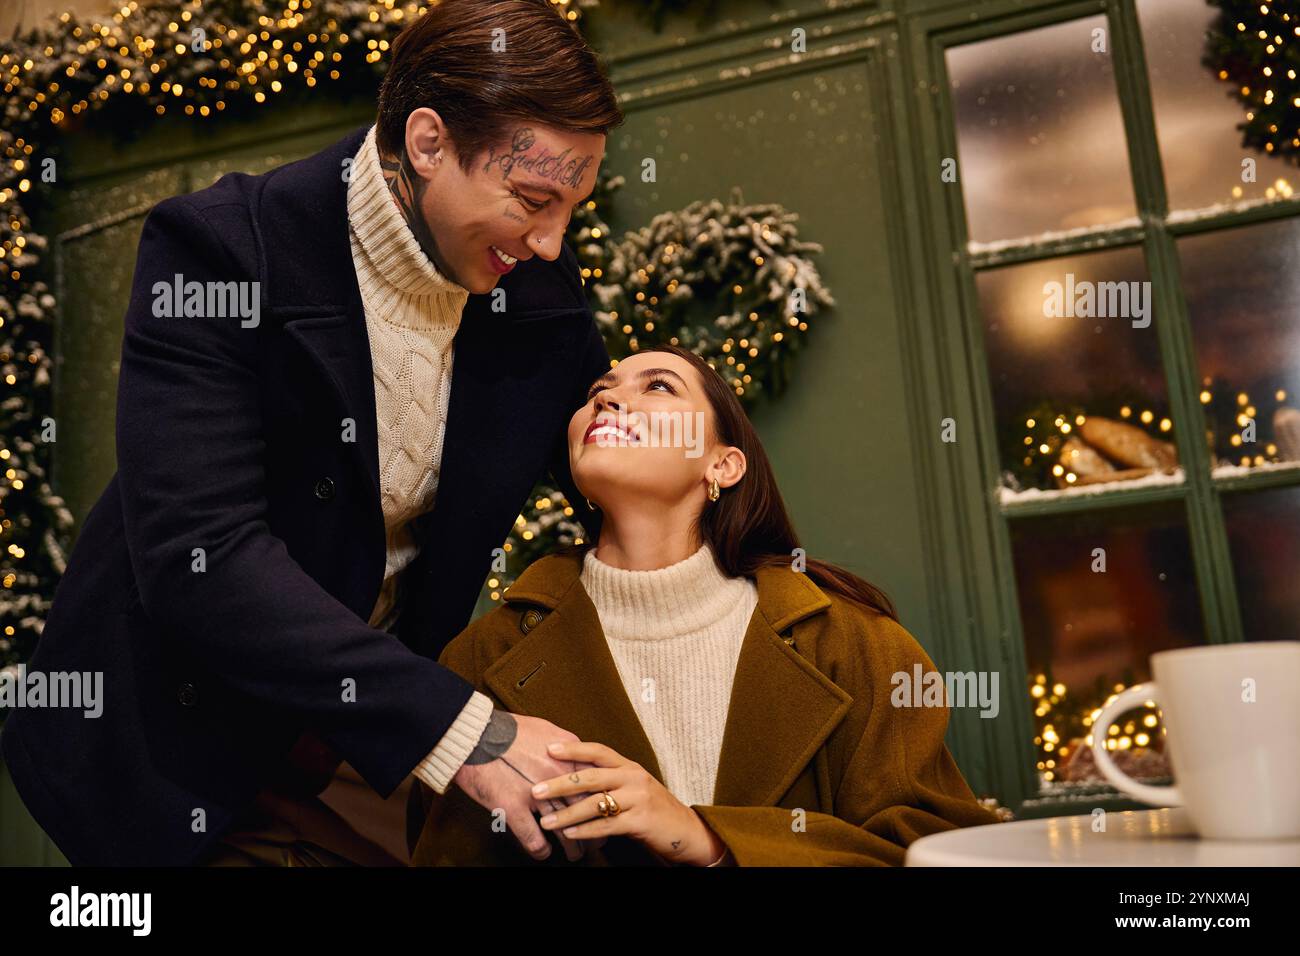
[[590, 505], [715, 492]]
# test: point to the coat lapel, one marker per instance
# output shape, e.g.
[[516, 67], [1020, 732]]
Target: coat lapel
[[781, 710], [311, 286], [562, 670]]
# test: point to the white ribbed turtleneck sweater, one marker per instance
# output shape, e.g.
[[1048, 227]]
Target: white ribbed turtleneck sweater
[[675, 635], [412, 313]]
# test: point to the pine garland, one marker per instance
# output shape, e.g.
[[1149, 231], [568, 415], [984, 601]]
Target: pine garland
[[730, 282]]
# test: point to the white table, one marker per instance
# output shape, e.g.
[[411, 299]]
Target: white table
[[1132, 838]]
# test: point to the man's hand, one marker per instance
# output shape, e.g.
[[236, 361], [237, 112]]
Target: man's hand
[[500, 772]]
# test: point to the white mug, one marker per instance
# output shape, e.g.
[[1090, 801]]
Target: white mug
[[1232, 722]]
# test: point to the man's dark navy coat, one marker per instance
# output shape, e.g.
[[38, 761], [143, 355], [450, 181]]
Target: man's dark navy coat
[[233, 440]]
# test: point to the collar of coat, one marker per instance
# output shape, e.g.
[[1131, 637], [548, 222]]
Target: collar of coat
[[782, 708]]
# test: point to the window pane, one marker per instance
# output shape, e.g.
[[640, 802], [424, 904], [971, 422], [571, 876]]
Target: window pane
[[1196, 114], [1264, 535], [1039, 133], [1093, 618], [1079, 396], [1242, 287]]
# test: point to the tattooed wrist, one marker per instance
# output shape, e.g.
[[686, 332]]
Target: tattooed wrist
[[498, 736]]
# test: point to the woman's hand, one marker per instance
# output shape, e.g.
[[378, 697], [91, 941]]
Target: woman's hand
[[648, 813]]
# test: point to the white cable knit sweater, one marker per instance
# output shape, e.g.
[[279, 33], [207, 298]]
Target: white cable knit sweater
[[675, 635], [412, 313]]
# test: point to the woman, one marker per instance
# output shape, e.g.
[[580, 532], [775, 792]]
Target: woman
[[732, 698]]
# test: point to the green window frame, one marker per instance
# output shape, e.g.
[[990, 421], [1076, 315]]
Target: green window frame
[[1007, 758]]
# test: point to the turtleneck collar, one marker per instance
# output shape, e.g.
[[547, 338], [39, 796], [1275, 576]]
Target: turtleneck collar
[[665, 603], [385, 238]]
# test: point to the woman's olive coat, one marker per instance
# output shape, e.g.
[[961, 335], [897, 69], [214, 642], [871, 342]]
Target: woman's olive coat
[[817, 766]]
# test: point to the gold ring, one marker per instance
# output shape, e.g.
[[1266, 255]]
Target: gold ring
[[608, 806]]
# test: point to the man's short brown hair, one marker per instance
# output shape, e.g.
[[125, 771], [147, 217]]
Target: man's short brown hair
[[446, 60]]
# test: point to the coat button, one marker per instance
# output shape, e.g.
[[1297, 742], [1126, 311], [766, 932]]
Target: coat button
[[187, 695], [530, 620], [325, 489]]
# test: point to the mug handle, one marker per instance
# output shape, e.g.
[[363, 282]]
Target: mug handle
[[1157, 796]]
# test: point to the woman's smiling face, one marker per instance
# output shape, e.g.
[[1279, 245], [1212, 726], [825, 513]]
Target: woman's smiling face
[[645, 434]]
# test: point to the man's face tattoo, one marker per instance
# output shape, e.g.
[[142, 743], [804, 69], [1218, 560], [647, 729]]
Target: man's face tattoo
[[517, 201], [559, 168]]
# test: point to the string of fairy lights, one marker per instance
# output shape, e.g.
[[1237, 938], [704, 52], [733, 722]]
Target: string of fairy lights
[[1046, 433], [1062, 726], [198, 56], [1042, 451]]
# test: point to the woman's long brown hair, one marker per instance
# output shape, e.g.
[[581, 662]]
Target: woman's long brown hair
[[748, 527]]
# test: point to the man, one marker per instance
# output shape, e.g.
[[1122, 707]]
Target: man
[[311, 486]]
